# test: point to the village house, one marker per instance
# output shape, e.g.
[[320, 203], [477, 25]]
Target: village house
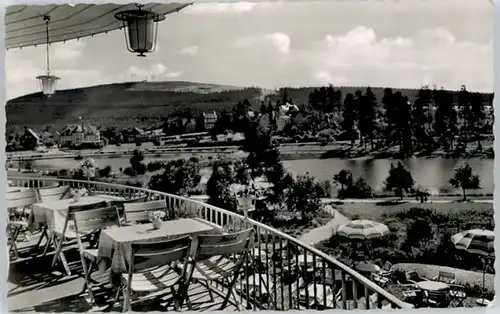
[[30, 140], [80, 136], [132, 134], [209, 120]]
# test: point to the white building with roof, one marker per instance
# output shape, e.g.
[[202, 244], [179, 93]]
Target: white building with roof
[[80, 135]]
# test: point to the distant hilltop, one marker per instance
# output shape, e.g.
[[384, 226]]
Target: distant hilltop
[[144, 104]]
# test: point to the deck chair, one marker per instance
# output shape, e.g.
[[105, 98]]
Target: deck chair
[[120, 204], [212, 262], [66, 237], [88, 222], [139, 212], [150, 273], [19, 205], [445, 277]]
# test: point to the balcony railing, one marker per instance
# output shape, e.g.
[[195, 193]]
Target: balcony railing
[[283, 273]]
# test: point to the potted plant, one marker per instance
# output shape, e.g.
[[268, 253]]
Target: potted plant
[[156, 217]]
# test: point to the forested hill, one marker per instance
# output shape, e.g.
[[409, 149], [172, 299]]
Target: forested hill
[[147, 103], [122, 105]]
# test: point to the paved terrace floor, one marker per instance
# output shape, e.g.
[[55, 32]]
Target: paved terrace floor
[[33, 286]]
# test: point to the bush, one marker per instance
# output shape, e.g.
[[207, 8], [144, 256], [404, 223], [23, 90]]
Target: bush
[[155, 165], [129, 172], [105, 172]]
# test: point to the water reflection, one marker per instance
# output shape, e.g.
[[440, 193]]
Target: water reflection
[[430, 173]]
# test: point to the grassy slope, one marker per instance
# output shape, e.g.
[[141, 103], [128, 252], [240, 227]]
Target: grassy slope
[[144, 103]]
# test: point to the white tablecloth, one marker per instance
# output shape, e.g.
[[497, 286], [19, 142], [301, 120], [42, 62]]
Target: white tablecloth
[[53, 214], [432, 285], [115, 243]]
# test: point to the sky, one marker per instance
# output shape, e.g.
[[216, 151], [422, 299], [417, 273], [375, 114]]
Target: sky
[[389, 43]]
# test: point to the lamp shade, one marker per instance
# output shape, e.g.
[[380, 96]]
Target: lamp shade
[[48, 84], [141, 28]]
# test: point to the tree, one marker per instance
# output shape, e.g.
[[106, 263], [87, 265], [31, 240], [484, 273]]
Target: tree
[[344, 178], [303, 197], [463, 178], [349, 117], [219, 186], [179, 177], [138, 167], [367, 116], [445, 123], [422, 118], [403, 124], [399, 180]]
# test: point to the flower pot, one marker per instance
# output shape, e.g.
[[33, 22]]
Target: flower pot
[[157, 223], [76, 198]]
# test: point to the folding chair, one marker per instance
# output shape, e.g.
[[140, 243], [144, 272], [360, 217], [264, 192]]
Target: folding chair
[[48, 195], [19, 206], [60, 237], [445, 277], [53, 194], [120, 204], [150, 272], [89, 222], [211, 261], [139, 212], [457, 295], [437, 298]]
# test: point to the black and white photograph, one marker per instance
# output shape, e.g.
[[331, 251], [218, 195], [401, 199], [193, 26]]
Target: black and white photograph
[[249, 156]]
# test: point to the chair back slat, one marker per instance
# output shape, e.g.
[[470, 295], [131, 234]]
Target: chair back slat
[[120, 204], [151, 254], [140, 211], [22, 198], [446, 277], [227, 244], [96, 219], [53, 194], [78, 208]]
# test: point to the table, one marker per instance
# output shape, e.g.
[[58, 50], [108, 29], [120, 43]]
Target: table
[[16, 189], [53, 214], [483, 302], [115, 243], [432, 285], [367, 267]]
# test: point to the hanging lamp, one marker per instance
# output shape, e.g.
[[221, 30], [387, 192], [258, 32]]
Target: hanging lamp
[[141, 29], [48, 81]]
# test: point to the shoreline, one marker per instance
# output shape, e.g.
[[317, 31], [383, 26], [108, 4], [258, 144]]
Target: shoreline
[[288, 152]]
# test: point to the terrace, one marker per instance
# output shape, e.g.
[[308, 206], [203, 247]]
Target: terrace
[[279, 273]]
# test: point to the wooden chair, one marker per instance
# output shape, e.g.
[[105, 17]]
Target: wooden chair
[[414, 277], [53, 194], [65, 237], [19, 205], [212, 263], [150, 271], [48, 195], [457, 295], [437, 298], [120, 204], [445, 277], [89, 222], [139, 212]]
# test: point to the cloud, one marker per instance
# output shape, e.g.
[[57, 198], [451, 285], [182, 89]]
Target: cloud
[[191, 50], [279, 41], [360, 57], [238, 7], [158, 70], [67, 51]]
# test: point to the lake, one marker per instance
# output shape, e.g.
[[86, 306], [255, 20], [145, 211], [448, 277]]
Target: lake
[[432, 173]]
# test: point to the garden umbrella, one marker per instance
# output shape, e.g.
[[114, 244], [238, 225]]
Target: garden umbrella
[[362, 230], [476, 241]]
